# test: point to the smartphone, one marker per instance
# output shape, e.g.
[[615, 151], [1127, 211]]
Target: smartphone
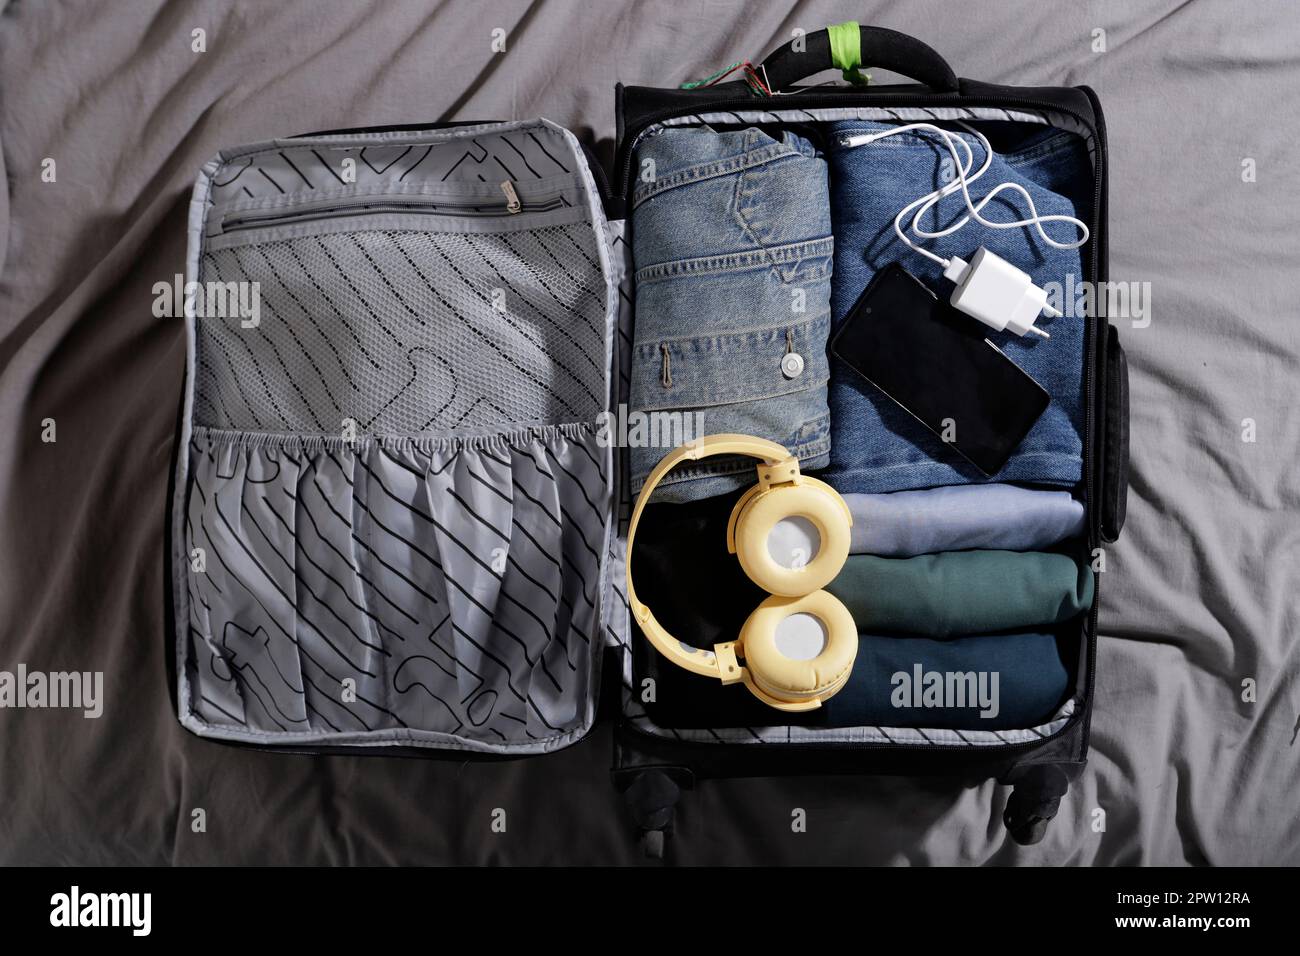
[[938, 366]]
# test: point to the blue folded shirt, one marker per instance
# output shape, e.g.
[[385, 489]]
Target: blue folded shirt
[[962, 517]]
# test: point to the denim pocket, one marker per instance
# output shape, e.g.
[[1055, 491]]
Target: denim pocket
[[733, 247], [730, 368], [733, 382]]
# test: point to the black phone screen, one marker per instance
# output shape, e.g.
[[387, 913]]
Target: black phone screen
[[936, 364]]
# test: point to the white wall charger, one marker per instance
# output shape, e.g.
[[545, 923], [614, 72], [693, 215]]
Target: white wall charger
[[997, 293]]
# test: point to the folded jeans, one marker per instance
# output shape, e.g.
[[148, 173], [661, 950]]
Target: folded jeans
[[875, 445]]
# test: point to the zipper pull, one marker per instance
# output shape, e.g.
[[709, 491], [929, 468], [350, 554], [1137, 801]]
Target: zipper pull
[[512, 198]]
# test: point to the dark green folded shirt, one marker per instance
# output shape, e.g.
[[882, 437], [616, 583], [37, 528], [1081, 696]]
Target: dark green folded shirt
[[962, 592]]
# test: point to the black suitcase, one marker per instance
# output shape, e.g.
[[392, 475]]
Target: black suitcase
[[445, 575], [654, 763]]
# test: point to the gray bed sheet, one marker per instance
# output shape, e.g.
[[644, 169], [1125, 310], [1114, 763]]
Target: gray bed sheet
[[1200, 595]]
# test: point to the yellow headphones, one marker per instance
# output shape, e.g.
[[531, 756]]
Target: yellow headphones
[[767, 656]]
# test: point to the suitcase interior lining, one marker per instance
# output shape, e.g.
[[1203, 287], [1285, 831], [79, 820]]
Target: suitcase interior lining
[[393, 477]]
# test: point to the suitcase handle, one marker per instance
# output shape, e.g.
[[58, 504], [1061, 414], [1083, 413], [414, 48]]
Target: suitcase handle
[[887, 49]]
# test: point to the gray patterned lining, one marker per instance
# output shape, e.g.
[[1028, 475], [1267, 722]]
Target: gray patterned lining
[[434, 578], [452, 583], [882, 114], [407, 331], [384, 162]]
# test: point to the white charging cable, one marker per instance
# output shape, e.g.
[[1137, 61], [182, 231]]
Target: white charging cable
[[988, 287]]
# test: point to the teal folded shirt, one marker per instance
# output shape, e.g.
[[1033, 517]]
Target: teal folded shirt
[[962, 592]]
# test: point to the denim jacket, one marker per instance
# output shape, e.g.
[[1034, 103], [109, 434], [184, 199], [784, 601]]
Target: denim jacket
[[731, 235]]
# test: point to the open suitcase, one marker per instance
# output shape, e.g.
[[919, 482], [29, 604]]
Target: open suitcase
[[398, 524]]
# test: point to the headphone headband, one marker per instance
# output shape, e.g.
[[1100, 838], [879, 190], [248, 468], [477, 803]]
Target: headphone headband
[[756, 658], [697, 659]]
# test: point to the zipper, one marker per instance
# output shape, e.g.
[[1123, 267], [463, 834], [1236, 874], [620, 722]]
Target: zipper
[[1092, 356], [399, 128], [1098, 358], [597, 173], [512, 198], [510, 205]]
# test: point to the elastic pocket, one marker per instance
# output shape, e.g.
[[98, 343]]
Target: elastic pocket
[[398, 590], [1114, 481]]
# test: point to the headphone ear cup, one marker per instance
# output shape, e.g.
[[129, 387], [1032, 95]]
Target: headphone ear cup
[[812, 500], [791, 679]]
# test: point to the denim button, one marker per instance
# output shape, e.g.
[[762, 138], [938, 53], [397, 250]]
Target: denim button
[[792, 365]]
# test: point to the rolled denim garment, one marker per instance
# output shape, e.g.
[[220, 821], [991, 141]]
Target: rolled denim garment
[[961, 518], [731, 238], [962, 592], [876, 445], [986, 682]]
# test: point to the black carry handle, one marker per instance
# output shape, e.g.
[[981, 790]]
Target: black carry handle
[[887, 49]]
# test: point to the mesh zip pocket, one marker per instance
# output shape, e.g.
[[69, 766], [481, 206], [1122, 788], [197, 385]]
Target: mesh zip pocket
[[404, 332]]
